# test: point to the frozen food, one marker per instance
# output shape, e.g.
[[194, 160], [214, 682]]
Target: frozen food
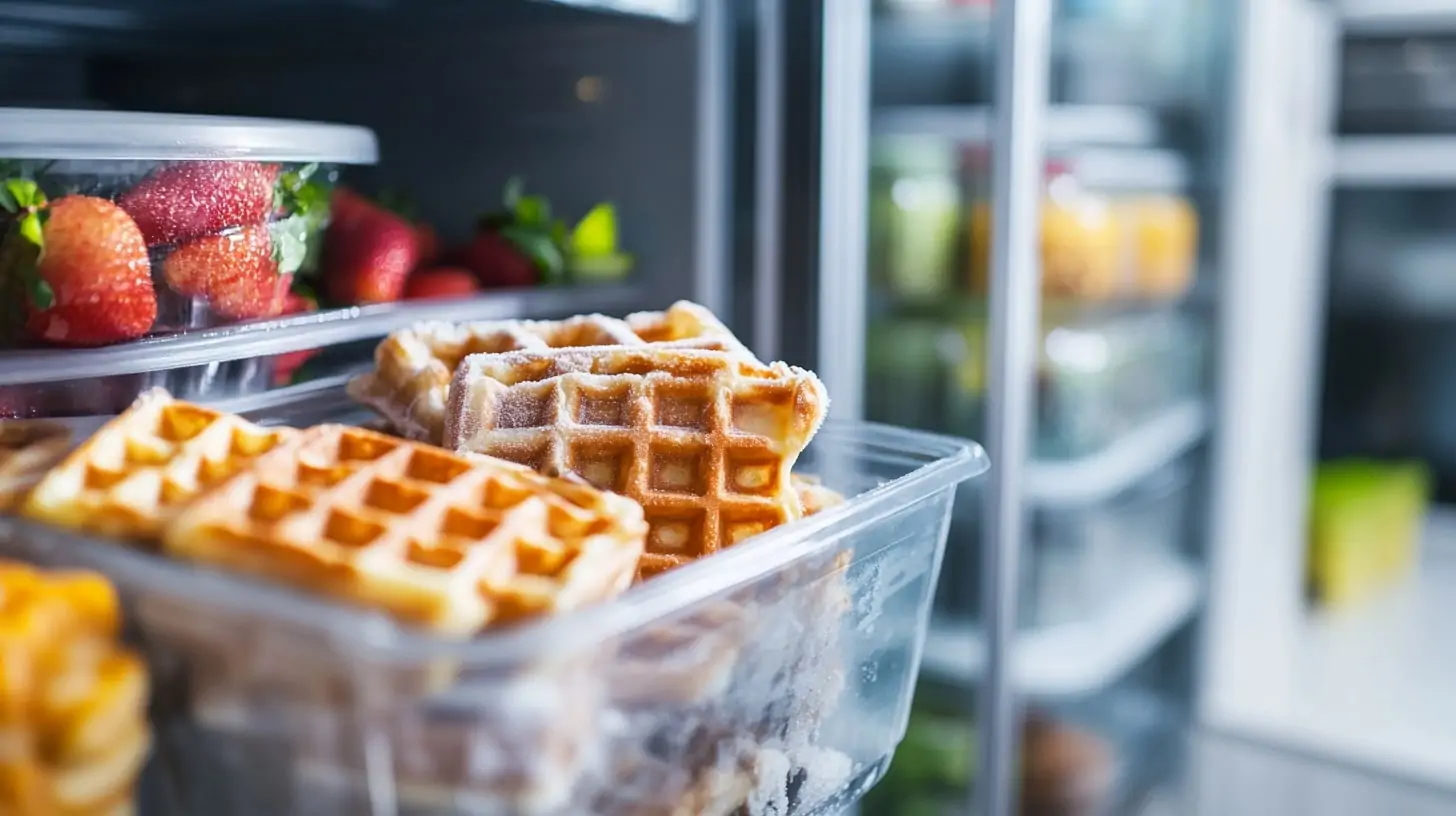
[[135, 474], [73, 701], [446, 542], [413, 367], [704, 440]]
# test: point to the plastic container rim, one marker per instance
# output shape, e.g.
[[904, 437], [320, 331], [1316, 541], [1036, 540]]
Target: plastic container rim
[[295, 332], [40, 133], [944, 462]]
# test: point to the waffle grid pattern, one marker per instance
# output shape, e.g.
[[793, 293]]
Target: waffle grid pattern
[[139, 470], [414, 367], [704, 441], [451, 543]]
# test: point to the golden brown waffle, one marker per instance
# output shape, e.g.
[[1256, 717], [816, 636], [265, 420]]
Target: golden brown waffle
[[141, 468], [813, 495], [444, 541], [73, 732], [704, 440], [28, 448], [412, 368]]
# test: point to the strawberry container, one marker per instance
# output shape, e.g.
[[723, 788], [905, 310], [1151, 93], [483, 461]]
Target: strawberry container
[[774, 677], [124, 225]]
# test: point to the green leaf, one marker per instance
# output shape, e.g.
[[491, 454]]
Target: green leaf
[[40, 292], [538, 247], [32, 229], [601, 267], [558, 232], [596, 233], [533, 211], [25, 193], [290, 243], [511, 195], [7, 200]]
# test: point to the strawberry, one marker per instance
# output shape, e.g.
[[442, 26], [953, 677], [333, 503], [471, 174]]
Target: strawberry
[[497, 262], [368, 252], [237, 273], [84, 264], [191, 199], [441, 282]]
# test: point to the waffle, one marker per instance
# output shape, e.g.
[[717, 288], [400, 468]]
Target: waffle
[[435, 539], [814, 497], [410, 382], [703, 440], [141, 468], [73, 732], [27, 449]]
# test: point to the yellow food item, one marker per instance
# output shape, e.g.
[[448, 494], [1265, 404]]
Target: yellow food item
[[1164, 243], [73, 728], [1081, 250]]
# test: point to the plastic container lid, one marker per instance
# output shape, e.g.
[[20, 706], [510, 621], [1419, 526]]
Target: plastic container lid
[[34, 133]]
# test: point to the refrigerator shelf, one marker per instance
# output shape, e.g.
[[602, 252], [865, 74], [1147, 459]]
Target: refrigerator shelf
[[1395, 16], [1394, 161], [1067, 125], [1075, 659], [1371, 685], [1119, 466]]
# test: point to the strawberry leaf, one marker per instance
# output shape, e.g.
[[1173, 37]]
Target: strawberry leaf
[[41, 293], [7, 200], [290, 243], [533, 211], [31, 227], [25, 193], [539, 249]]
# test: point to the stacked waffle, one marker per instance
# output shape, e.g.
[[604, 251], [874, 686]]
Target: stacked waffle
[[450, 543], [73, 733], [413, 368]]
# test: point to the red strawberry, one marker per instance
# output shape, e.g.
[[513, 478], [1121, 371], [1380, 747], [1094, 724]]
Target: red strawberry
[[236, 273], [441, 282], [497, 262], [191, 199], [368, 252], [95, 264]]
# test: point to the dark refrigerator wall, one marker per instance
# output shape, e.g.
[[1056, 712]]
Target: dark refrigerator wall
[[585, 106]]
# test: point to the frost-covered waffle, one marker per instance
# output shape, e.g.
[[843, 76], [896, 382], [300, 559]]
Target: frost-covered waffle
[[704, 440], [28, 448], [412, 368], [73, 723], [447, 542], [132, 476]]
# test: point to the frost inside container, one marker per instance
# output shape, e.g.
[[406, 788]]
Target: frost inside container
[[123, 225], [774, 677]]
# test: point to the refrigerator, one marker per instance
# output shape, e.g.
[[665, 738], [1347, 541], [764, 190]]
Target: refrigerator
[[1237, 234]]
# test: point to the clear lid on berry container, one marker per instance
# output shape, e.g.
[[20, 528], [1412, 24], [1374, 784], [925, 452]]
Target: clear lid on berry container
[[35, 133]]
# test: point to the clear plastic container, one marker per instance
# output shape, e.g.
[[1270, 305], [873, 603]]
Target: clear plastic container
[[775, 676], [228, 362], [220, 214]]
